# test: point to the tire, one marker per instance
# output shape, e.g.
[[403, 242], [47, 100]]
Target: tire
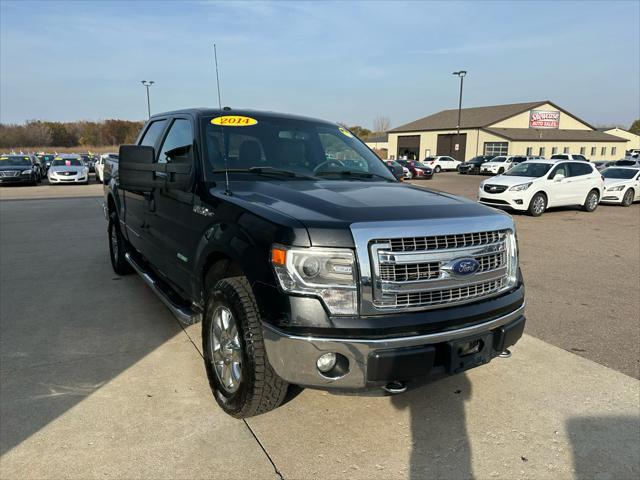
[[253, 386], [538, 205], [117, 247], [629, 195], [501, 171], [591, 202], [437, 169]]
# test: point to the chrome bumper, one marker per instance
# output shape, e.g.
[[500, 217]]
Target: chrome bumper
[[294, 357]]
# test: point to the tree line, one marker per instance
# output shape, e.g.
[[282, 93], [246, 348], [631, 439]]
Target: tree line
[[36, 133]]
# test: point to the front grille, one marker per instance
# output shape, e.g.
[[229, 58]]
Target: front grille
[[421, 272], [450, 295], [462, 240], [495, 188], [497, 201], [9, 173], [68, 174]]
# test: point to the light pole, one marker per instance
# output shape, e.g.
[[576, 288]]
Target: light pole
[[148, 84], [460, 74]]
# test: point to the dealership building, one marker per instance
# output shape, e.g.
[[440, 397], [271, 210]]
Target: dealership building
[[533, 128]]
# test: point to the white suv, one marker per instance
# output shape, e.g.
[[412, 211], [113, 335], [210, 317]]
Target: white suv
[[441, 163], [536, 185], [501, 164]]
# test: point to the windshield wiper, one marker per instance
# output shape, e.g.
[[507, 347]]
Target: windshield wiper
[[268, 171], [355, 174]]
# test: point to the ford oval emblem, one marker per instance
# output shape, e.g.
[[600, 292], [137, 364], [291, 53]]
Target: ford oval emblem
[[465, 266]]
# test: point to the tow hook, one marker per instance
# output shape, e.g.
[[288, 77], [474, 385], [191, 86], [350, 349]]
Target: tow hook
[[505, 354], [395, 387]]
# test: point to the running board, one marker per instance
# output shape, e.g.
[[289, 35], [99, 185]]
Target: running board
[[185, 315]]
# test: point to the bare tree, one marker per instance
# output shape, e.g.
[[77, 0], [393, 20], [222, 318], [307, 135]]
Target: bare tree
[[381, 124]]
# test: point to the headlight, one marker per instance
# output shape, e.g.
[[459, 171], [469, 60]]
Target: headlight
[[326, 273], [520, 188], [26, 172], [512, 258], [617, 188]]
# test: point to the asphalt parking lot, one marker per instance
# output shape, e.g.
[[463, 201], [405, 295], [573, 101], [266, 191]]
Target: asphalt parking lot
[[99, 381]]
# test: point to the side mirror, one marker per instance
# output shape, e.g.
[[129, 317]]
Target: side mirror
[[136, 168], [558, 177]]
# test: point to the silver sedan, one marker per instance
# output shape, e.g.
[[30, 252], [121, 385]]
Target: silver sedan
[[68, 169]]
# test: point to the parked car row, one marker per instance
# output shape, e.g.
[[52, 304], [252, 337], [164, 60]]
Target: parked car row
[[19, 169], [533, 186]]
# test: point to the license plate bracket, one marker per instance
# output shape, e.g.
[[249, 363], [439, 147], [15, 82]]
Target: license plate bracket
[[469, 352]]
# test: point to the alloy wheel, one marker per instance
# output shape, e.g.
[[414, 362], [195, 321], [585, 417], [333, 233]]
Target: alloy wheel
[[226, 350]]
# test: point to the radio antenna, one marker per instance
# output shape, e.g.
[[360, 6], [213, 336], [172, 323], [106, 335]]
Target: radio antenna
[[224, 148]]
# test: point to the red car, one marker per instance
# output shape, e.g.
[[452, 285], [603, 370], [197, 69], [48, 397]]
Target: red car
[[418, 171]]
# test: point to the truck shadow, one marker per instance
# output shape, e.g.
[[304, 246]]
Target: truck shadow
[[440, 442], [605, 446]]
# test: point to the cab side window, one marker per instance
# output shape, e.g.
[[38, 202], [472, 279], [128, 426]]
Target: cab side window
[[178, 145], [579, 169], [151, 136]]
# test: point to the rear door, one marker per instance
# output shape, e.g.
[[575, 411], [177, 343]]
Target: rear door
[[580, 181], [136, 203], [170, 216]]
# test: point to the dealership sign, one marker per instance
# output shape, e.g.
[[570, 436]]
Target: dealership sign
[[544, 119]]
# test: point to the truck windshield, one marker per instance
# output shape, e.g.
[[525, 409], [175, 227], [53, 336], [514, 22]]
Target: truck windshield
[[527, 169], [270, 145]]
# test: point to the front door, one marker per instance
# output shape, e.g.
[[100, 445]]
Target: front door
[[559, 189], [170, 215]]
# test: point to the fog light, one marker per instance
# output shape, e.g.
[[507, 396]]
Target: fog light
[[326, 362], [518, 202]]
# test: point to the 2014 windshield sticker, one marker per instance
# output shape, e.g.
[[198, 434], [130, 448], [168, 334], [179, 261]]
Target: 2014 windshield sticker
[[234, 121], [345, 132]]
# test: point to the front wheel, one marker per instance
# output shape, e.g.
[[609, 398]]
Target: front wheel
[[241, 378], [538, 205], [117, 247], [591, 202], [501, 171], [437, 169], [629, 195]]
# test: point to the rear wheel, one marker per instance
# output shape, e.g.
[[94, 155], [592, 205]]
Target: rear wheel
[[591, 202], [538, 205], [117, 247], [629, 195], [242, 381]]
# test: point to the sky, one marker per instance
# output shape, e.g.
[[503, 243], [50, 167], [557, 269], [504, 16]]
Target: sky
[[341, 61]]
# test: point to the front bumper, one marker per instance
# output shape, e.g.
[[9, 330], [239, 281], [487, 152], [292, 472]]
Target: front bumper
[[69, 179], [373, 363], [507, 199], [612, 197], [18, 179]]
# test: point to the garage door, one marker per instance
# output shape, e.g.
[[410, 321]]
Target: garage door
[[447, 145], [409, 145]]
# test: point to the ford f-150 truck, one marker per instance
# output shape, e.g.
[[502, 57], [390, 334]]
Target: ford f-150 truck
[[308, 263]]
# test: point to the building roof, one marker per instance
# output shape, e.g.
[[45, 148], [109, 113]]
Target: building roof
[[476, 117], [552, 134], [377, 137]]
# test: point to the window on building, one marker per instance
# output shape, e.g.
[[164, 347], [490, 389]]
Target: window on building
[[603, 151], [593, 151], [554, 150], [529, 151], [583, 150], [496, 148], [565, 150], [541, 152], [613, 150]]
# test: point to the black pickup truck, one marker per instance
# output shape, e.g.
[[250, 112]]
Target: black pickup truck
[[308, 263]]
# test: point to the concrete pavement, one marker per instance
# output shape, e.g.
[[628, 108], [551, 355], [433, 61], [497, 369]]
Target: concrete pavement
[[98, 381]]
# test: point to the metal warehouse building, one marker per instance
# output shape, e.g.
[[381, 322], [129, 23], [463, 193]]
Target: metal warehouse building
[[533, 128]]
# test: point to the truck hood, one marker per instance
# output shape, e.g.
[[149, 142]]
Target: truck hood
[[328, 208]]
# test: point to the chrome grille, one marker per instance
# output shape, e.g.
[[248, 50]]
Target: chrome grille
[[419, 272], [438, 242], [10, 173], [451, 295]]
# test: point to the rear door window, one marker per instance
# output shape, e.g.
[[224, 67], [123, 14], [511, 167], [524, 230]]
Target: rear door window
[[578, 169]]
